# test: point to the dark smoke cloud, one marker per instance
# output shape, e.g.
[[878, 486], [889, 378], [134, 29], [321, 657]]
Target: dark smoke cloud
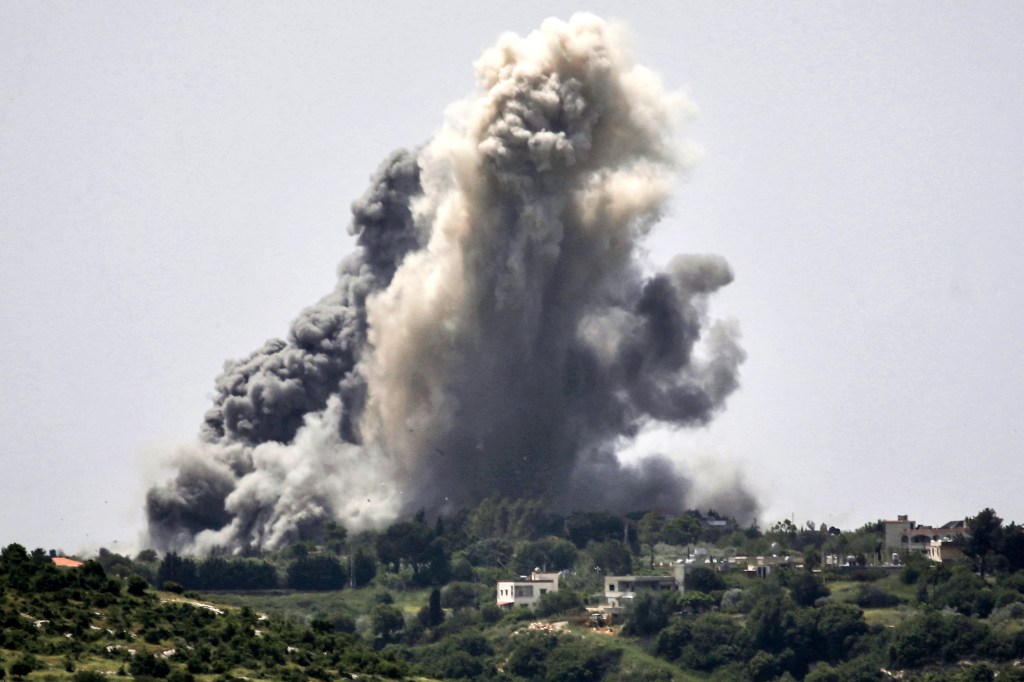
[[495, 330], [266, 396]]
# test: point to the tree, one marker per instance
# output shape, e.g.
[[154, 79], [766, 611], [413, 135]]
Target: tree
[[961, 592], [611, 557], [984, 535], [316, 573], [806, 588], [703, 579], [335, 536], [137, 585], [548, 554], [1013, 547], [147, 556], [838, 627], [218, 573], [435, 616], [177, 569], [681, 530], [934, 638], [16, 565], [713, 640], [387, 622], [529, 656], [495, 552], [462, 595], [770, 621], [650, 613], [586, 527], [407, 541], [649, 530], [364, 568], [499, 517]]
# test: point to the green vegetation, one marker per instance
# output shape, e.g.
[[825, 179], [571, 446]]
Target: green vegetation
[[416, 600]]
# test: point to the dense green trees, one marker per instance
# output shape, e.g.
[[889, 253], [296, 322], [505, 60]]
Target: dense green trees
[[547, 554], [317, 573], [934, 637], [610, 557], [500, 517], [586, 527], [777, 637], [418, 546], [216, 573], [725, 626], [541, 656], [83, 616], [705, 643], [703, 579]]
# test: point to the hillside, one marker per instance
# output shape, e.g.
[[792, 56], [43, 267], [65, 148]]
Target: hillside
[[79, 622], [423, 606]]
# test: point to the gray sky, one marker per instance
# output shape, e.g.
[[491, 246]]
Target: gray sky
[[175, 182]]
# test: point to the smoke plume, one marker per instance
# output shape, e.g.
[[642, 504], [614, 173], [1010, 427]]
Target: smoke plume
[[495, 330]]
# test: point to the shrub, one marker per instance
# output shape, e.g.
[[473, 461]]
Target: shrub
[[24, 665], [460, 595], [558, 602], [962, 591], [934, 638], [651, 611], [137, 585], [388, 622], [89, 676], [316, 573], [731, 600], [364, 568], [714, 639], [490, 613], [874, 597], [806, 588], [703, 579]]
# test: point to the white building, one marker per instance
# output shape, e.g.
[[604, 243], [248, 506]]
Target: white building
[[621, 590], [526, 592], [944, 550]]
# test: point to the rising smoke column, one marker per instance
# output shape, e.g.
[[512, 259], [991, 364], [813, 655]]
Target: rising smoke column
[[495, 331]]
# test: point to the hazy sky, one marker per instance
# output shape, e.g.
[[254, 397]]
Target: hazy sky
[[175, 181]]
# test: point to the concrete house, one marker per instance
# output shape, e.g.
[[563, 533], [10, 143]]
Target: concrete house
[[526, 592], [903, 535], [621, 590]]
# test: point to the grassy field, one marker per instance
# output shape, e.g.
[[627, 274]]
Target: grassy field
[[302, 606]]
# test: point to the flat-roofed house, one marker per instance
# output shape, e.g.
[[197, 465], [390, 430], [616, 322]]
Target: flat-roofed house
[[526, 591]]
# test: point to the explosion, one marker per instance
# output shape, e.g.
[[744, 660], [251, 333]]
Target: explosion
[[495, 331]]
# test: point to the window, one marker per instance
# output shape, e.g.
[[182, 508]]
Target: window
[[611, 587]]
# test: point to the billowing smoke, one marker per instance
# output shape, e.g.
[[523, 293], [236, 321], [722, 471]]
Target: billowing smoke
[[496, 330]]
